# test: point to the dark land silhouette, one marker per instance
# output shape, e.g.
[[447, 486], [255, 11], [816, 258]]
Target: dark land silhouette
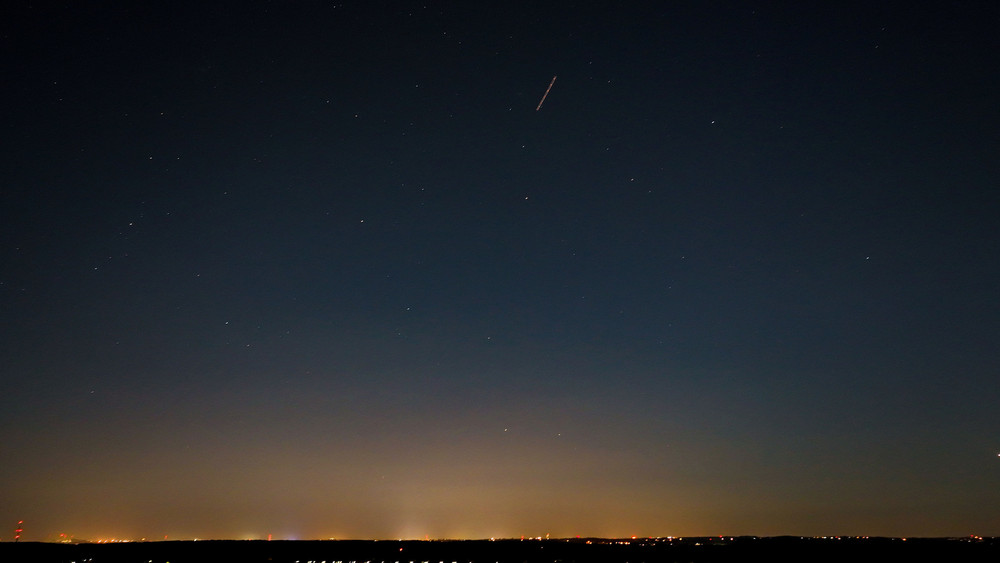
[[581, 550]]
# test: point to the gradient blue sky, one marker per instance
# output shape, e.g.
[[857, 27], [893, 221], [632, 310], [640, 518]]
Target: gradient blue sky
[[322, 270]]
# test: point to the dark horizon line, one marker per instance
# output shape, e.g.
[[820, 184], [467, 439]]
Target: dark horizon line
[[712, 537]]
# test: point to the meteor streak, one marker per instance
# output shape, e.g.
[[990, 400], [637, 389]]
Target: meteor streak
[[546, 93]]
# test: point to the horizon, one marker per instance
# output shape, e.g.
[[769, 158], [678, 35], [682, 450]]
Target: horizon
[[582, 550], [62, 537], [621, 539]]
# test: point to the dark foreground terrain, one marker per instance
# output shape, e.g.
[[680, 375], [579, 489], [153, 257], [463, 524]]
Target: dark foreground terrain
[[595, 550]]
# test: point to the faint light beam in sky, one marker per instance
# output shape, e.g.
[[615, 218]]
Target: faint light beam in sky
[[546, 94]]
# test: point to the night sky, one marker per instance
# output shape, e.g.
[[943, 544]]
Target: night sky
[[317, 270]]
